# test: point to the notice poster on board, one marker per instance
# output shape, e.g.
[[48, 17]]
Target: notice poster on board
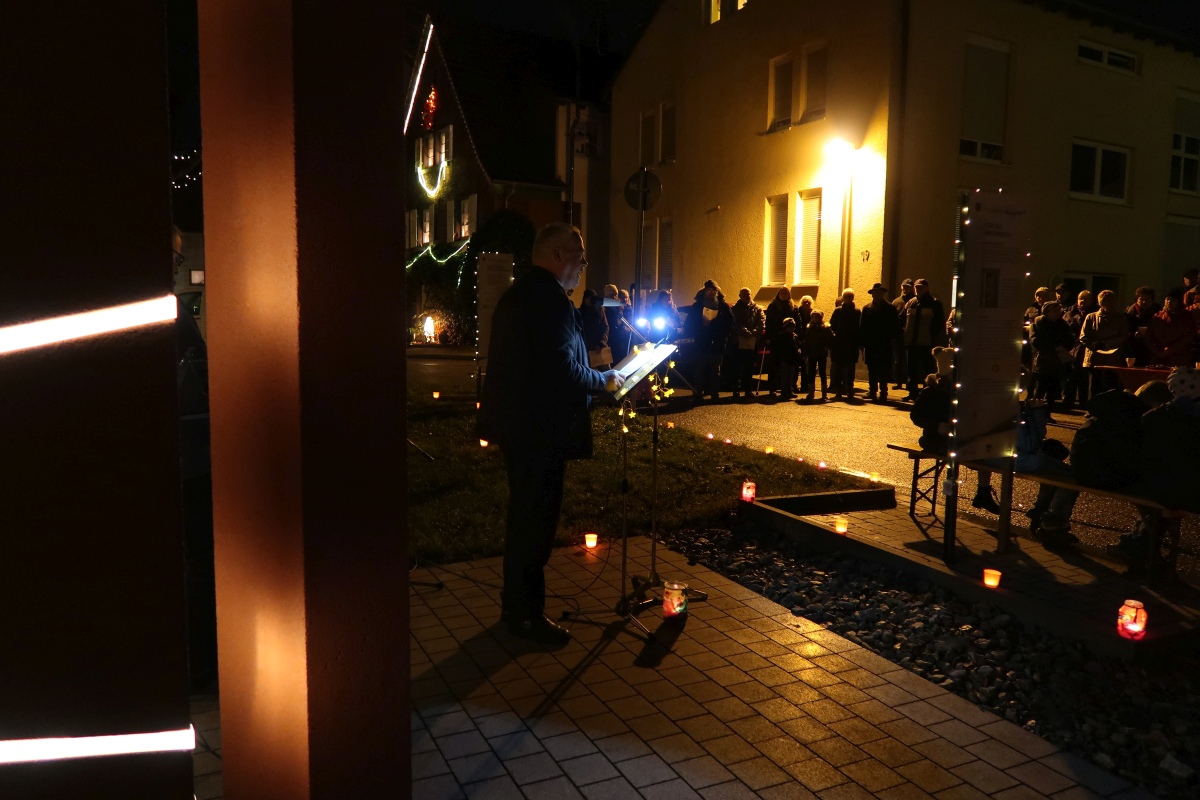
[[494, 274], [992, 301]]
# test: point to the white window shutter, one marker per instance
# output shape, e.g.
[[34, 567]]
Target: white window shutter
[[777, 264], [810, 238], [448, 209], [649, 253], [666, 255]]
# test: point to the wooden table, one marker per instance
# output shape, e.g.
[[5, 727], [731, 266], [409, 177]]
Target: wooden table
[[1133, 378]]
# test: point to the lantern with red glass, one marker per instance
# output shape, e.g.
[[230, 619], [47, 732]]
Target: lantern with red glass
[[749, 491], [1131, 620]]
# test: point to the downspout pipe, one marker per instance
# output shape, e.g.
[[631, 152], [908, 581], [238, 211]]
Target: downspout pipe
[[895, 146]]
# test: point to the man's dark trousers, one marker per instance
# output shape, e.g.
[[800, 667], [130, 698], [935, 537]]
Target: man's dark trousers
[[535, 493], [921, 364]]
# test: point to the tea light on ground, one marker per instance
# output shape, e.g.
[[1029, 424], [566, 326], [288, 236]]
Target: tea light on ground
[[483, 442], [590, 540], [436, 395], [1131, 620], [841, 524], [674, 599], [749, 491], [821, 465], [670, 424], [729, 441], [991, 578], [874, 476], [477, 406], [768, 450], [710, 436]]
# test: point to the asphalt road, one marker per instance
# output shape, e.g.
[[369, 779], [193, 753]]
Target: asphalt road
[[847, 435]]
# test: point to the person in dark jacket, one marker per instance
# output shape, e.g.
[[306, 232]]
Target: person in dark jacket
[[879, 331], [535, 407], [778, 310], [1103, 452], [1171, 335], [708, 325], [1076, 389], [844, 322], [747, 330], [785, 346], [924, 329], [900, 371], [817, 341], [932, 411], [1144, 307], [1052, 341], [595, 323], [618, 334], [663, 317]]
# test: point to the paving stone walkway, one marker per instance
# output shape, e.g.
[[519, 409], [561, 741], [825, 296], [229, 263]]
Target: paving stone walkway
[[739, 700]]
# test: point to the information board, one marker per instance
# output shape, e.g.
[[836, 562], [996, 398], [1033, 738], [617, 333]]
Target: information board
[[991, 300]]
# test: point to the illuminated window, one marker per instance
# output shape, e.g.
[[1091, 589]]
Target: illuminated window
[[197, 277], [1099, 171], [816, 78], [649, 136], [426, 226], [467, 209], [714, 11], [427, 151], [777, 222], [1104, 56], [667, 145], [445, 145], [781, 93], [810, 237], [985, 97]]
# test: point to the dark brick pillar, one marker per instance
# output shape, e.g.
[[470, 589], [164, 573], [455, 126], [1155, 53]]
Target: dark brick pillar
[[92, 635], [302, 106]]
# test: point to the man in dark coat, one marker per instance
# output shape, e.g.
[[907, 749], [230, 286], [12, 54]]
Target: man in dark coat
[[844, 322], [708, 325], [924, 329], [535, 407], [879, 330]]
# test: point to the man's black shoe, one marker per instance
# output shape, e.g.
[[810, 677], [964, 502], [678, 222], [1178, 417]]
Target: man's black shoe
[[541, 630]]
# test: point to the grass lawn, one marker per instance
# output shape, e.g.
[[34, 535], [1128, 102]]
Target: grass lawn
[[457, 502]]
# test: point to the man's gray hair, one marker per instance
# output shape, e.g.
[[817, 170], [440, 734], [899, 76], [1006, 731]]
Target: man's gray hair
[[556, 234]]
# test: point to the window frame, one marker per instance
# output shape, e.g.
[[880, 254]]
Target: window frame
[[807, 114], [772, 237], [1104, 62], [662, 138], [774, 121], [643, 161], [1095, 195], [1184, 156]]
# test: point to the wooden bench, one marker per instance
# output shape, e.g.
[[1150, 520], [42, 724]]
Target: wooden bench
[[1155, 561]]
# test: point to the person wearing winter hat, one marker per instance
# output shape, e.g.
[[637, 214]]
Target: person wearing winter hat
[[878, 332], [708, 324], [932, 411]]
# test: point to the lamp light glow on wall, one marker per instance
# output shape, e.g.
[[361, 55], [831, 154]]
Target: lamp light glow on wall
[[991, 578], [27, 335], [18, 751], [1131, 620], [749, 491]]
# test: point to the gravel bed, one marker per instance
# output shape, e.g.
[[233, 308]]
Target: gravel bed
[[1142, 723]]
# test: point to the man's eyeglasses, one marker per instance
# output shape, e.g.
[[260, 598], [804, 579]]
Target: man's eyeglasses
[[179, 259]]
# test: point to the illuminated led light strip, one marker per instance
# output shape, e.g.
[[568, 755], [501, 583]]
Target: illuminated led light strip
[[18, 751], [429, 251], [417, 84], [443, 168], [88, 323]]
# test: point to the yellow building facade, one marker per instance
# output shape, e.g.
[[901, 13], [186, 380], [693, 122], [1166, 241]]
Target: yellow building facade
[[818, 146]]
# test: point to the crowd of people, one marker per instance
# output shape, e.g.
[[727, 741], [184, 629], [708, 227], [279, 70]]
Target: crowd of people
[[790, 349]]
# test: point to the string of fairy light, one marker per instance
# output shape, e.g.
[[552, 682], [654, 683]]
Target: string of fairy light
[[186, 169]]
